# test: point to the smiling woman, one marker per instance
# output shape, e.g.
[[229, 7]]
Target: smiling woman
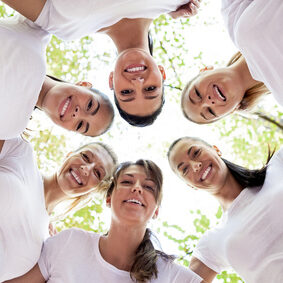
[[126, 254], [213, 94], [27, 199], [252, 204]]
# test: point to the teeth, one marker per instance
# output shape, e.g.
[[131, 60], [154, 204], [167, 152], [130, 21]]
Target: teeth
[[217, 90], [134, 201], [65, 107], [78, 179], [135, 69], [205, 173]]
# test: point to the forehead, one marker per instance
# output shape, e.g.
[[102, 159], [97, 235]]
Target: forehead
[[100, 153], [134, 170]]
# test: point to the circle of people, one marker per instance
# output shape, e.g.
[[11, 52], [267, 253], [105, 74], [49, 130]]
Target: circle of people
[[249, 237]]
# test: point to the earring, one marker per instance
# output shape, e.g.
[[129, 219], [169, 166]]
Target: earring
[[217, 150]]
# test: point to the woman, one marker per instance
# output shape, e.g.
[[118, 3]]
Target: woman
[[24, 86], [214, 94], [27, 198], [125, 253], [137, 80], [250, 236]]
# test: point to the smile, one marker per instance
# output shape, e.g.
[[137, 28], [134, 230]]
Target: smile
[[76, 177], [64, 107], [137, 68], [134, 201], [219, 93], [205, 173]]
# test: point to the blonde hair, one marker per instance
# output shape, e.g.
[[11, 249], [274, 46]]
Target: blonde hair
[[253, 94]]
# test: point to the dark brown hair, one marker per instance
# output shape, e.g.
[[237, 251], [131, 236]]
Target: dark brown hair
[[144, 267]]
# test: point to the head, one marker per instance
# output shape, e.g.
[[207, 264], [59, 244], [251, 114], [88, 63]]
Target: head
[[215, 93], [135, 192], [201, 166], [134, 197], [137, 82], [88, 169], [79, 108]]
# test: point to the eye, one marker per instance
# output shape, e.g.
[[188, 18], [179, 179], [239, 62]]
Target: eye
[[79, 125], [150, 88], [126, 182], [211, 111], [197, 153], [149, 188], [85, 157], [185, 170], [126, 91], [198, 94], [89, 105]]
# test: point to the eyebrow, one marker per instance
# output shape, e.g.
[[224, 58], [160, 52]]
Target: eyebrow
[[181, 163], [151, 97], [202, 115], [193, 102], [128, 99], [86, 128], [130, 175]]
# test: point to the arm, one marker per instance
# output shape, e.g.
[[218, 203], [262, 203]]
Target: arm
[[202, 270], [31, 9], [187, 10], [33, 276]]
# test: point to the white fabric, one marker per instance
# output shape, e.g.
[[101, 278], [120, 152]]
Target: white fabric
[[73, 256], [70, 19], [22, 72], [250, 236], [23, 218], [255, 26]]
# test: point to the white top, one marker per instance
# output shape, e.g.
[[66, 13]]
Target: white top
[[70, 19], [255, 26], [22, 72], [23, 218], [250, 237], [73, 256]]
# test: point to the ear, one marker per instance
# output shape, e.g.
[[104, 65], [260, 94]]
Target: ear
[[162, 71], [155, 213], [111, 81], [108, 201], [69, 154], [217, 150], [84, 84], [206, 68]]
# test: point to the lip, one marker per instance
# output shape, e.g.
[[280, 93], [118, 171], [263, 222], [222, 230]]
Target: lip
[[64, 107], [131, 201], [203, 172], [72, 172], [135, 68], [219, 93]]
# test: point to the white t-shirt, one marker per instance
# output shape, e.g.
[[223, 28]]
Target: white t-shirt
[[70, 19], [250, 237], [22, 72], [23, 218], [255, 26], [73, 256]]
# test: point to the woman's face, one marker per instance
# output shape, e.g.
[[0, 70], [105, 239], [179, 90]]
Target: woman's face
[[198, 165], [78, 109], [83, 171], [137, 82], [134, 198], [212, 95]]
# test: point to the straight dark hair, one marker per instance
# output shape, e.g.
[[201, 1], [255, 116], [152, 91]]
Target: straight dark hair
[[245, 177], [144, 267]]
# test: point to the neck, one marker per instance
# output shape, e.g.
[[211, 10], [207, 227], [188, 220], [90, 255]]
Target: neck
[[47, 85], [228, 192], [129, 33], [244, 74], [119, 246], [52, 193]]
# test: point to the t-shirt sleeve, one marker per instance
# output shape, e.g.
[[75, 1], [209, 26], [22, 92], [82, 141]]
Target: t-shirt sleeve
[[207, 251], [185, 275]]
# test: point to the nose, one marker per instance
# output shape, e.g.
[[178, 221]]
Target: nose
[[85, 169], [137, 187], [137, 80], [209, 100], [196, 166], [76, 112]]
